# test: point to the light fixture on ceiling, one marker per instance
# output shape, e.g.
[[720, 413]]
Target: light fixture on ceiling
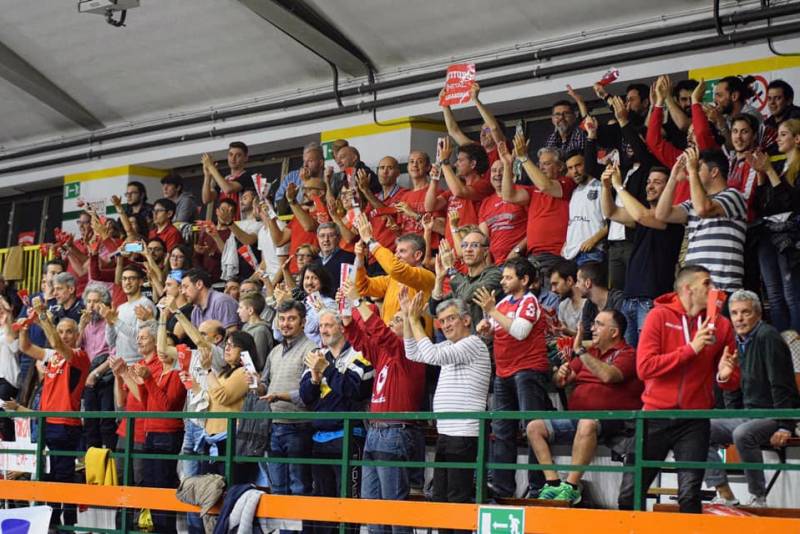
[[108, 8]]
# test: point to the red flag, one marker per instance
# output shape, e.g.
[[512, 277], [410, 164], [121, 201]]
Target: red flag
[[460, 79], [247, 254], [609, 77], [716, 300]]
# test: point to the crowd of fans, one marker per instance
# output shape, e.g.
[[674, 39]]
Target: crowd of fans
[[493, 280]]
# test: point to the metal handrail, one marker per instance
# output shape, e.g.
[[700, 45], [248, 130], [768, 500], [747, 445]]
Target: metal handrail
[[345, 462]]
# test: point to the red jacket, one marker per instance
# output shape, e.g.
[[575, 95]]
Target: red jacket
[[399, 383], [668, 154], [674, 376]]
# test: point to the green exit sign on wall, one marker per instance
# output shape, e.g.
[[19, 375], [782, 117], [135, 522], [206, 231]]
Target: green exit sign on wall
[[72, 190]]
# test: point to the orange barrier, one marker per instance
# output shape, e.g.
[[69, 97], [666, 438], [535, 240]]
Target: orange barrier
[[406, 513]]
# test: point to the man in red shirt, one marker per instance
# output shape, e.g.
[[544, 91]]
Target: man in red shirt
[[680, 356], [605, 378], [212, 238], [467, 184], [412, 205], [163, 211], [77, 252], [217, 187], [66, 369], [398, 387], [381, 211], [521, 363], [548, 204], [503, 222]]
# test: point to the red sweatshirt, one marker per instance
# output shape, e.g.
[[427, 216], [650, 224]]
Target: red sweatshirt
[[165, 393], [674, 376], [668, 154], [399, 382]]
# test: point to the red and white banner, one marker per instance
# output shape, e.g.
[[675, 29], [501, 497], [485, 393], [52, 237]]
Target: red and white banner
[[247, 254], [261, 185], [457, 87], [26, 238], [716, 300]]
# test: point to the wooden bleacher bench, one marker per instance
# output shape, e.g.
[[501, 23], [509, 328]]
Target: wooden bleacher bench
[[512, 501], [656, 492], [790, 513]]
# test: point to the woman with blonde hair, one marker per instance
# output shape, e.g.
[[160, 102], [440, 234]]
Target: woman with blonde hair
[[778, 204]]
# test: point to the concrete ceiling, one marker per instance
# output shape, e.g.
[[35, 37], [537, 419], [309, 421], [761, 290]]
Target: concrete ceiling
[[182, 56]]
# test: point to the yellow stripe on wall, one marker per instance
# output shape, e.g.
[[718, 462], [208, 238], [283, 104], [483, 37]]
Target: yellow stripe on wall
[[125, 170], [745, 67], [364, 130]]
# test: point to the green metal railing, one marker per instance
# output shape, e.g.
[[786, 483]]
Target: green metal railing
[[481, 463]]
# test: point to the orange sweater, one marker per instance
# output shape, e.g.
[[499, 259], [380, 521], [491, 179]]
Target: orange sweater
[[388, 286]]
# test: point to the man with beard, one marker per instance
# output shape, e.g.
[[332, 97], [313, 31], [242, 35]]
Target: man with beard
[[279, 385], [567, 136], [780, 101], [522, 367], [313, 167], [651, 267], [467, 185], [586, 228], [474, 249], [122, 324], [741, 175]]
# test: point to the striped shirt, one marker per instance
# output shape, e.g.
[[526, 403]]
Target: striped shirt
[[463, 381], [717, 243]]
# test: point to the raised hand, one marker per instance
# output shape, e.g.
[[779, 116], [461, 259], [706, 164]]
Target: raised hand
[[727, 364], [699, 92], [520, 146], [485, 299]]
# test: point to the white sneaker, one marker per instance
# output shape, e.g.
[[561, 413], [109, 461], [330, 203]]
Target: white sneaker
[[757, 502], [724, 502]]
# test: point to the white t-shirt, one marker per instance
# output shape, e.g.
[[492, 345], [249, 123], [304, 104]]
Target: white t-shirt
[[616, 231], [569, 316], [585, 217], [9, 364], [269, 252]]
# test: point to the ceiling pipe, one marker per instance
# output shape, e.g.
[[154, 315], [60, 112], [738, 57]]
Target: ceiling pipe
[[537, 55], [538, 72]]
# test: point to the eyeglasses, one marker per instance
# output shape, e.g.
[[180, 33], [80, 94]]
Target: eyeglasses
[[469, 246], [449, 319]]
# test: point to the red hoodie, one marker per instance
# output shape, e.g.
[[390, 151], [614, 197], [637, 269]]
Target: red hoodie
[[674, 376]]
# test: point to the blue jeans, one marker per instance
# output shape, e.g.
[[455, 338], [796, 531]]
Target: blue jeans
[[389, 443], [782, 285], [593, 255], [523, 391], [191, 437], [290, 440], [635, 311]]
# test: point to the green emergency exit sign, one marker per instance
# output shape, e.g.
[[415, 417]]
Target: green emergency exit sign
[[501, 520], [72, 190]]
